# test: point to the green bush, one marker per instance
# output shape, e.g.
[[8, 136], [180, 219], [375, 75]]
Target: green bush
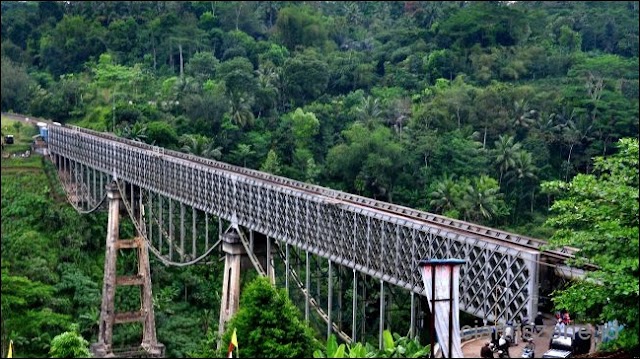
[[69, 345], [394, 346], [268, 325]]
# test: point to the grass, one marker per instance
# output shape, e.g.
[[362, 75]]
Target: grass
[[22, 135], [6, 122], [34, 161], [39, 170], [22, 142]]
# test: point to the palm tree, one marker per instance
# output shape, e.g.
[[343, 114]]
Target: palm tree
[[352, 12], [573, 133], [523, 168], [481, 199], [444, 196], [268, 76], [268, 80], [241, 113], [244, 151], [523, 116], [545, 127], [369, 111], [505, 150], [523, 171], [201, 146], [137, 132], [399, 114]]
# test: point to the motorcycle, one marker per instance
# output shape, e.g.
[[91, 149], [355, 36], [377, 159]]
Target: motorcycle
[[502, 348], [529, 349]]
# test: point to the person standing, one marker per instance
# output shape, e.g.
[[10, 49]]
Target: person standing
[[509, 334], [525, 330], [503, 346], [537, 328], [494, 335]]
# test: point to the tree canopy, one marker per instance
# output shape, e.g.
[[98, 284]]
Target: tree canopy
[[598, 214], [459, 108], [268, 324]]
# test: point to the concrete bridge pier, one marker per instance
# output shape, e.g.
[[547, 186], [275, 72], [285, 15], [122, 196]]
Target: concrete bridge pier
[[236, 261], [108, 316]]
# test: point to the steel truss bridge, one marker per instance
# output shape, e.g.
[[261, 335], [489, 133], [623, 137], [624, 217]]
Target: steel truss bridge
[[176, 200]]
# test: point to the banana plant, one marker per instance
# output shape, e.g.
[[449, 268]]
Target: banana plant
[[394, 346], [333, 349]]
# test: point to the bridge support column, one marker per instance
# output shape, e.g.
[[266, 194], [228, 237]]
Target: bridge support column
[[235, 252], [105, 334], [149, 339], [108, 316], [237, 260]]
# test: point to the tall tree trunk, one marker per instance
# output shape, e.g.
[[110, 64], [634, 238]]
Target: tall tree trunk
[[181, 61], [566, 175], [484, 138], [155, 58], [532, 199], [171, 62], [238, 11], [270, 17]]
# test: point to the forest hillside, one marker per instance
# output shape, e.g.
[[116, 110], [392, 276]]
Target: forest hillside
[[459, 108]]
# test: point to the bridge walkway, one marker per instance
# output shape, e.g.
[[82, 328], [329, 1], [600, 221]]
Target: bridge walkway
[[471, 348]]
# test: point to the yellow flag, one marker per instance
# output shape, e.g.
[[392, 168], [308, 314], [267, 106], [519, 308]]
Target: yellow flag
[[10, 353], [233, 345], [234, 339]]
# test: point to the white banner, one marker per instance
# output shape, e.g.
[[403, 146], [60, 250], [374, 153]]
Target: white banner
[[447, 275]]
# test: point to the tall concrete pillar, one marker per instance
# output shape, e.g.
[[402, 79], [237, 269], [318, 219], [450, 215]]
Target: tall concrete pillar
[[236, 261], [235, 252]]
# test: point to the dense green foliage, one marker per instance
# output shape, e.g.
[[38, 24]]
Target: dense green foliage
[[52, 267], [392, 100], [394, 346], [598, 213], [268, 325], [69, 345], [459, 108], [34, 232]]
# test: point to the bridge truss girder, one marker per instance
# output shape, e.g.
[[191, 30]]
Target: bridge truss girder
[[498, 282]]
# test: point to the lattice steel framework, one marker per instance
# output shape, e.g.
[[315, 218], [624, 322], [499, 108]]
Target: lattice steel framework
[[384, 241], [83, 185]]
